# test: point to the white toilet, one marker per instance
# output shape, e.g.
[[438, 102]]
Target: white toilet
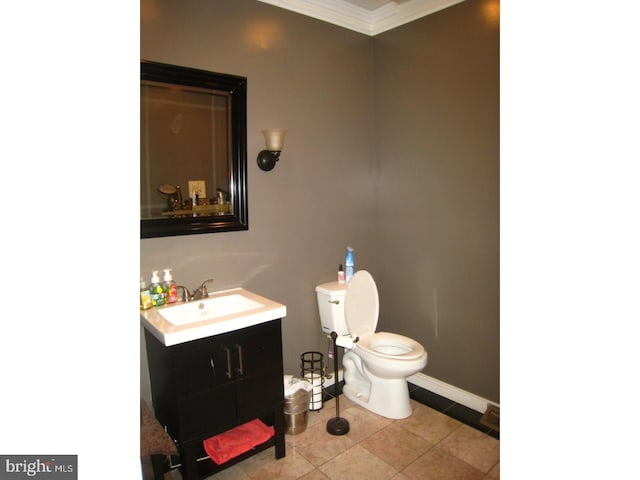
[[376, 365]]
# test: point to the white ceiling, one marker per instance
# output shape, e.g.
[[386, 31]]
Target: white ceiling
[[365, 16]]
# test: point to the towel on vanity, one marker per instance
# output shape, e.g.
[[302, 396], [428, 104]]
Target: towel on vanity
[[234, 442]]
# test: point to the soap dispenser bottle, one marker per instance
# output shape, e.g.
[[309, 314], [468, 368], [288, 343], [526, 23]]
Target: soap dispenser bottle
[[349, 264], [169, 287], [157, 292], [145, 296]]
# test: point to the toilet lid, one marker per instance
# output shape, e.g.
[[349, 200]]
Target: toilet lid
[[361, 304]]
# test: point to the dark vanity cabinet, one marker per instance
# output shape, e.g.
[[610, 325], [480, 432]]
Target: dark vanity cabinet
[[207, 386]]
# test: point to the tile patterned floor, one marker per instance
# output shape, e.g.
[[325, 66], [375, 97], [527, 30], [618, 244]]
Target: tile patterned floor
[[452, 409], [429, 445]]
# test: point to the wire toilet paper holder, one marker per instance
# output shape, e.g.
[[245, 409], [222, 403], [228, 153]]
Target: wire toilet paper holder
[[312, 370]]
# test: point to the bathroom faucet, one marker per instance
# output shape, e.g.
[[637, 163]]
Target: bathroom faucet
[[199, 293]]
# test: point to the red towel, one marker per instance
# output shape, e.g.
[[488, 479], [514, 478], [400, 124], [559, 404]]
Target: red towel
[[234, 442]]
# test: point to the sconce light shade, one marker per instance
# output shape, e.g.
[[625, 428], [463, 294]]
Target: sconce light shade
[[274, 139]]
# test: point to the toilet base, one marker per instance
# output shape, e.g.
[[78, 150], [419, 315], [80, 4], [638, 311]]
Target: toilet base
[[387, 397]]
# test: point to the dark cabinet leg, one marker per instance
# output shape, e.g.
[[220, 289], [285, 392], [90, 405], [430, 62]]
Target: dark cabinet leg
[[159, 465], [189, 468], [280, 427]]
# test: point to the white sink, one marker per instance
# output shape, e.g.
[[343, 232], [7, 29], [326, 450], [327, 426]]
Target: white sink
[[209, 309], [221, 312]]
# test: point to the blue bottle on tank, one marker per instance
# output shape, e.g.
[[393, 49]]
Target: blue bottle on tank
[[349, 264]]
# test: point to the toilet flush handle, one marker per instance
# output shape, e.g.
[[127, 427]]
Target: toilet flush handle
[[336, 302]]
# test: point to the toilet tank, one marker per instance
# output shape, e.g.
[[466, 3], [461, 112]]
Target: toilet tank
[[331, 307]]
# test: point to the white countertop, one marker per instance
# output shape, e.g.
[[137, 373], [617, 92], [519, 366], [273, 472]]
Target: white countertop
[[170, 334]]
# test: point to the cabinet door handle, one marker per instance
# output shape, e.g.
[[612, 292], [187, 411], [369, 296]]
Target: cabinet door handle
[[228, 372], [241, 368], [213, 366]]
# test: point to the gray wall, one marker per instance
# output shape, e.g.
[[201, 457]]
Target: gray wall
[[340, 182], [437, 197]]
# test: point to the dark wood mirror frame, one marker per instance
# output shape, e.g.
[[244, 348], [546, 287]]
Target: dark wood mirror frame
[[237, 88]]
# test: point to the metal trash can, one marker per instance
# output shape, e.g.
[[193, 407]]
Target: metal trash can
[[297, 393]]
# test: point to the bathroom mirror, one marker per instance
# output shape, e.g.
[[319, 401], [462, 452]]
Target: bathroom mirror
[[193, 151]]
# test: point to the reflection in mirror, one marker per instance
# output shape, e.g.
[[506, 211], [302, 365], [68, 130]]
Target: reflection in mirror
[[192, 151], [179, 123]]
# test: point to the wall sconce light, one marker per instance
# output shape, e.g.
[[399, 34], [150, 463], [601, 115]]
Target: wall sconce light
[[274, 139]]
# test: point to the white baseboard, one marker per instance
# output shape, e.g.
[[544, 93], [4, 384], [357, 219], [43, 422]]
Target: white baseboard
[[454, 394], [434, 385]]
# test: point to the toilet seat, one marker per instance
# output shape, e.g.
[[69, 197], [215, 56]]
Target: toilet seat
[[361, 309], [391, 345]]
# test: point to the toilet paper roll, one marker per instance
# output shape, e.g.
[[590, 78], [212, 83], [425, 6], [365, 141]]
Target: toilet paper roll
[[315, 379]]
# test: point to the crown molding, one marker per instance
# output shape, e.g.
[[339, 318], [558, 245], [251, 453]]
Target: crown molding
[[369, 22]]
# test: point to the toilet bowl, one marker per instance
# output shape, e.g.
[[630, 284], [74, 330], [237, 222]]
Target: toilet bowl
[[376, 364], [389, 355]]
